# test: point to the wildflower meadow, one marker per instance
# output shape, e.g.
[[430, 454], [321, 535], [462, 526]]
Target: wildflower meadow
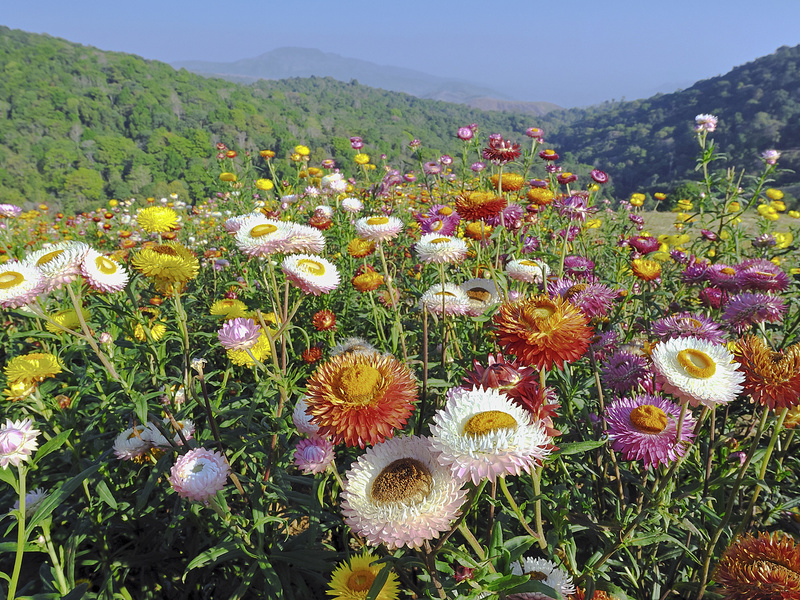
[[469, 377]]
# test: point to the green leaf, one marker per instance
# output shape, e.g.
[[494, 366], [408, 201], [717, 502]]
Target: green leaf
[[226, 550], [377, 584], [51, 445], [105, 494], [12, 547], [8, 475], [578, 447], [77, 593], [52, 501]]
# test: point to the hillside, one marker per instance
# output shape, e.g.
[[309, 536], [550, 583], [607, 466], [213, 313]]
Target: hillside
[[650, 143], [79, 125]]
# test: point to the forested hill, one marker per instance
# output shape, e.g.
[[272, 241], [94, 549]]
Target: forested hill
[[650, 143], [79, 125]]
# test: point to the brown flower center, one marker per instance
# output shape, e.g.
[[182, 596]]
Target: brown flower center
[[537, 575], [9, 279], [312, 267], [489, 421], [48, 257], [697, 363], [478, 293], [403, 480], [105, 266], [360, 581], [360, 384], [263, 229], [649, 419], [441, 240], [377, 220], [165, 250]]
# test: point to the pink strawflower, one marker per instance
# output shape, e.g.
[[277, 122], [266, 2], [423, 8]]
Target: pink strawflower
[[239, 334], [17, 442], [199, 474], [645, 428], [313, 455]]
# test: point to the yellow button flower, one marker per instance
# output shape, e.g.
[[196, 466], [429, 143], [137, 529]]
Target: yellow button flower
[[774, 194], [361, 158], [264, 184], [302, 150], [778, 205], [734, 207], [227, 176]]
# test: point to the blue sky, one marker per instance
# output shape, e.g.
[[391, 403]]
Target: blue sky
[[571, 52]]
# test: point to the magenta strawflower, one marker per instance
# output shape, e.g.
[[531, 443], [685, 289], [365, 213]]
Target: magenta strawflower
[[706, 123], [501, 151], [723, 276], [239, 334], [465, 133], [645, 428], [760, 275], [578, 266], [17, 442], [8, 211], [625, 372], [199, 474], [688, 324], [313, 455], [746, 309]]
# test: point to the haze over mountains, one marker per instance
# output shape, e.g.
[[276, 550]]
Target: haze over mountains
[[286, 63]]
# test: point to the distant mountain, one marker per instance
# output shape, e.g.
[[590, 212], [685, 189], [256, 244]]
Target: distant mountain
[[286, 63]]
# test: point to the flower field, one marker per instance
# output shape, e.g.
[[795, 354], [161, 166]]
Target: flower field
[[471, 377]]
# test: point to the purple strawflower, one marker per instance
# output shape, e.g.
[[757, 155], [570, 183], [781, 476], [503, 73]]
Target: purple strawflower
[[680, 257], [415, 144], [644, 244], [446, 159], [477, 167], [410, 177], [706, 123], [538, 183], [645, 428], [530, 244], [695, 272], [761, 275], [599, 176], [535, 133], [431, 168], [578, 266], [723, 276], [747, 309], [444, 225], [765, 240], [239, 334], [593, 299], [711, 297], [604, 344], [625, 372], [688, 324], [770, 156], [709, 235], [637, 219], [574, 208], [313, 455], [512, 217]]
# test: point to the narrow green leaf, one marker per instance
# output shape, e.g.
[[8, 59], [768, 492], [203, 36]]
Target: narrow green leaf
[[105, 494], [51, 445], [578, 447], [52, 501]]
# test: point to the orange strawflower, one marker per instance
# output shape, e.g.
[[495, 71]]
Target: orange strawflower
[[324, 320], [360, 248], [771, 378], [367, 280], [511, 181], [645, 269], [478, 231], [360, 399], [542, 332], [477, 206], [766, 567], [540, 196]]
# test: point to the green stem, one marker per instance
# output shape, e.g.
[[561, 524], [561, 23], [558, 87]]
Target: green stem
[[12, 585], [393, 297], [518, 512], [48, 542]]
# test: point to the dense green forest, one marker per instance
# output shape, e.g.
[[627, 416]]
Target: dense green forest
[[79, 125]]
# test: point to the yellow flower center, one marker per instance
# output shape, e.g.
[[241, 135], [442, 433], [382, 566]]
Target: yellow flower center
[[263, 229], [697, 363], [573, 290], [693, 322], [360, 581], [163, 249], [360, 384], [312, 267], [529, 263], [539, 313], [489, 421], [48, 257], [445, 211], [403, 480], [9, 279], [445, 294], [377, 220], [649, 419], [728, 271], [441, 240], [437, 226], [537, 575], [105, 266], [478, 293]]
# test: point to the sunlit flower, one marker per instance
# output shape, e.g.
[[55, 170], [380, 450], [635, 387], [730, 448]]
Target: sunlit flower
[[32, 368], [477, 206], [60, 262], [530, 271], [645, 269], [542, 332], [439, 249], [157, 219], [625, 372], [747, 309], [705, 123], [771, 378], [305, 239], [688, 324], [645, 428], [398, 494], [260, 351], [170, 262], [360, 248], [448, 299], [352, 579], [546, 571], [312, 274], [20, 284], [378, 228], [763, 567], [500, 151], [199, 474], [481, 433], [239, 334], [103, 273], [698, 371], [482, 294], [360, 398], [228, 308], [17, 442], [259, 236]]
